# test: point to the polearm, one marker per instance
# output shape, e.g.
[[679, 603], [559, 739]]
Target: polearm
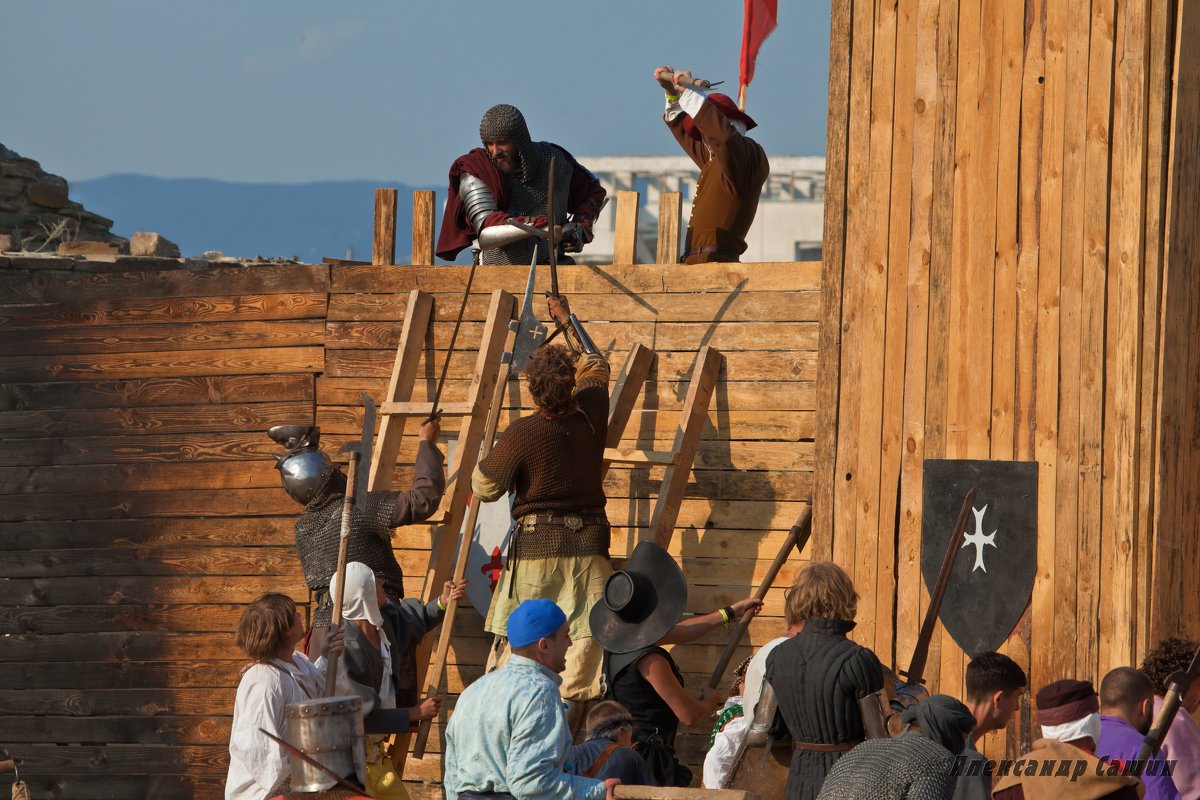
[[1177, 686], [462, 309], [355, 484], [797, 538], [916, 666], [585, 341], [433, 679]]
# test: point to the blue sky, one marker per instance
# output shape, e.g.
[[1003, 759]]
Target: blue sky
[[267, 90]]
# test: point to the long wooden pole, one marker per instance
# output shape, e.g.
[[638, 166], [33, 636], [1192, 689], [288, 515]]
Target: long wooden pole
[[433, 680], [343, 543], [797, 538]]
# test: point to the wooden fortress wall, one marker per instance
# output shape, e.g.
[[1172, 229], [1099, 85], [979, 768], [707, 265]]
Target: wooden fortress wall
[[140, 511], [1011, 274]]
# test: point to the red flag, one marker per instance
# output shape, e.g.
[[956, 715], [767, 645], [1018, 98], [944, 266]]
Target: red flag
[[759, 22]]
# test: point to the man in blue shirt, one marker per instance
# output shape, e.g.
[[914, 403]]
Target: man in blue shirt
[[508, 736], [1126, 711]]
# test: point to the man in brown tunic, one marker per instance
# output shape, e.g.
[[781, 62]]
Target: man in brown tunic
[[733, 167]]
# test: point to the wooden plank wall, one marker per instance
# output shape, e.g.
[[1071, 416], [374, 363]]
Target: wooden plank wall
[[754, 466], [139, 509], [996, 243]]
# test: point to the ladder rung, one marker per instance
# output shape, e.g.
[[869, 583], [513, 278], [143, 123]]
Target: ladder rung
[[663, 458], [421, 409]]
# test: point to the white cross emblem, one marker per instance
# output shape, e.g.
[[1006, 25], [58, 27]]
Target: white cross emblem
[[978, 538]]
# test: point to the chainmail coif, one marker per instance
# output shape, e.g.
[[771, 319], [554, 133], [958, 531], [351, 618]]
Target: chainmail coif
[[504, 123]]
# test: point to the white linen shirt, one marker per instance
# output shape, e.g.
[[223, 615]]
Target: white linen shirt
[[258, 765]]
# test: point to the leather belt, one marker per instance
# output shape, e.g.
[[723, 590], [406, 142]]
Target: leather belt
[[572, 521], [704, 251], [840, 747]]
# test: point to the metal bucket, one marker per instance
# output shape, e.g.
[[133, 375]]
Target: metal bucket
[[329, 730]]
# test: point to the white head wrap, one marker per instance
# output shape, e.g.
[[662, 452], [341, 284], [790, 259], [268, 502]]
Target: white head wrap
[[1081, 728], [360, 600]]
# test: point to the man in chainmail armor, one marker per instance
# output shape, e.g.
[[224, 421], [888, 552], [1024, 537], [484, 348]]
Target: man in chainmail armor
[[315, 482], [506, 179], [553, 463], [916, 765]]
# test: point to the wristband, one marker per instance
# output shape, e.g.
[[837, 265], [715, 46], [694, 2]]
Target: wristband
[[672, 98], [727, 613], [441, 605]]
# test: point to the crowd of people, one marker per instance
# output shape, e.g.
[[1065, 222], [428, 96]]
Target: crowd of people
[[581, 692]]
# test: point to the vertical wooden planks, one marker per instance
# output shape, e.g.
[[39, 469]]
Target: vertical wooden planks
[[1122, 357], [1177, 466], [1071, 284], [832, 263], [1025, 299], [941, 263], [1045, 401], [1161, 48], [384, 244], [1092, 333], [858, 221], [1005, 303], [424, 203], [625, 232], [926, 97], [895, 324], [670, 210], [869, 539]]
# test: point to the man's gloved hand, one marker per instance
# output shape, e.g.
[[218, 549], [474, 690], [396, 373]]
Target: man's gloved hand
[[574, 236]]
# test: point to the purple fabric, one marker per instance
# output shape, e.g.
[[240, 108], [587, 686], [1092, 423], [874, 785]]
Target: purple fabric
[[1120, 740], [1183, 746]]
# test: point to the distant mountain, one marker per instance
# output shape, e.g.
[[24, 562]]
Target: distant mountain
[[304, 220]]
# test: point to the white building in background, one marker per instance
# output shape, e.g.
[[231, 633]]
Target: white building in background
[[788, 226]]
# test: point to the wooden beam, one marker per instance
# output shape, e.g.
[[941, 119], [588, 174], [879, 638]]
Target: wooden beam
[[422, 227], [421, 409], [670, 212], [833, 249], [615, 455], [687, 437], [625, 393], [625, 230], [404, 373], [384, 250]]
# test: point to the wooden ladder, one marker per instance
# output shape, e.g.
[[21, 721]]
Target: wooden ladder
[[678, 460]]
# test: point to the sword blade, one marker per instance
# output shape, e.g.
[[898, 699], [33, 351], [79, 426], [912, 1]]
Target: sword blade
[[553, 245]]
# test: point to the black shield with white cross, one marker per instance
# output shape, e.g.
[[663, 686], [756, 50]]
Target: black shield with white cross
[[992, 579]]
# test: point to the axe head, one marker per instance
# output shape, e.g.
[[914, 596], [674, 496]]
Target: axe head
[[363, 445], [531, 333]]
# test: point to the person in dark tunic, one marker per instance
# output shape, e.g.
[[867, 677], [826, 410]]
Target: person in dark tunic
[[607, 751], [819, 676], [640, 613], [552, 461]]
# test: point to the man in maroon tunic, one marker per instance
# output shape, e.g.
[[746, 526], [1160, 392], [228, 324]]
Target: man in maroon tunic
[[507, 178], [733, 167]]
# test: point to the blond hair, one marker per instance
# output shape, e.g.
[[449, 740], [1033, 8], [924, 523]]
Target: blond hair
[[822, 589], [265, 624]]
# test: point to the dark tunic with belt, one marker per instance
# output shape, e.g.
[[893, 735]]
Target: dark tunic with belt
[[654, 723], [819, 676]]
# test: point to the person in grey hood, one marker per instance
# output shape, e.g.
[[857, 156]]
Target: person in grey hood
[[916, 765]]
